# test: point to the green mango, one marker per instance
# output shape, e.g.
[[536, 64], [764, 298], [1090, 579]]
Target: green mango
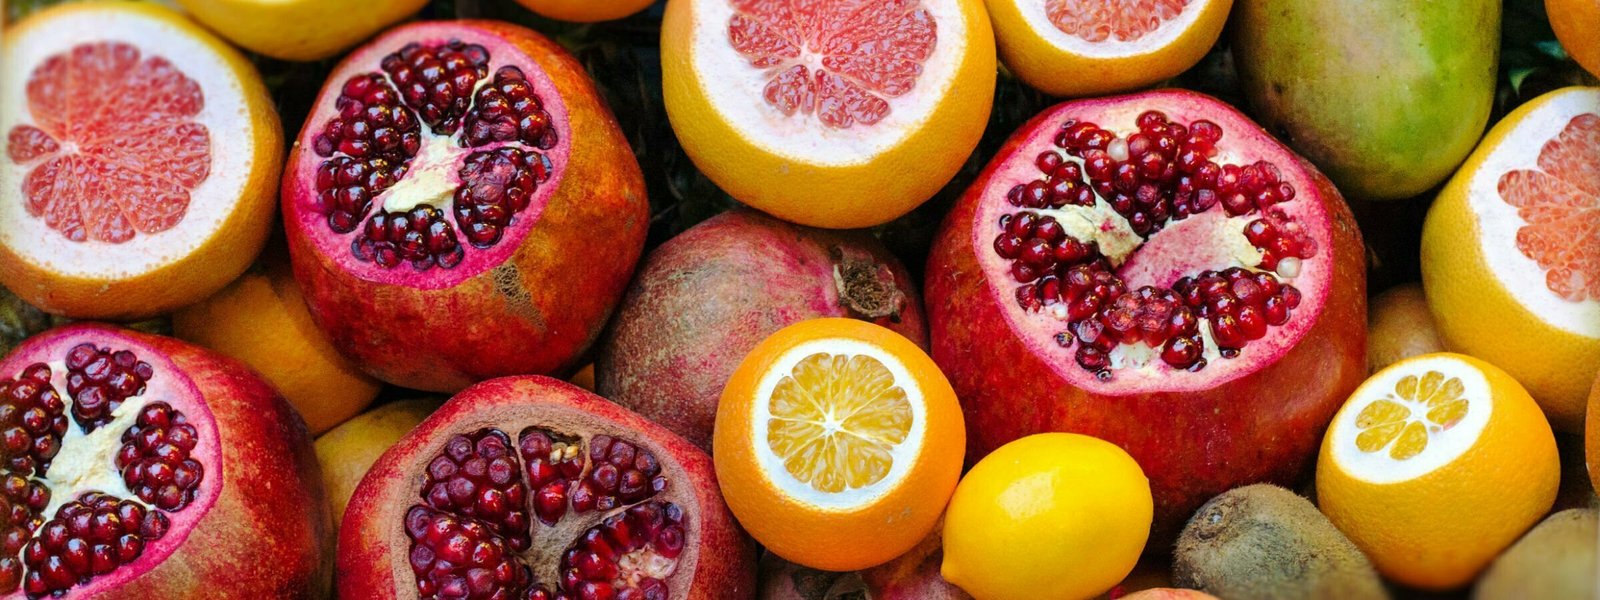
[[1385, 96]]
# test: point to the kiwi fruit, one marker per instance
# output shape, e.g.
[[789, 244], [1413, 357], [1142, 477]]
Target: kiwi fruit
[[1265, 542], [1399, 326], [1556, 559]]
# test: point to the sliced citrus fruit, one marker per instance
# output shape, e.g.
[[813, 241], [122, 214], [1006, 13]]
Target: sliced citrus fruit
[[832, 113], [586, 11], [300, 30], [834, 431], [1435, 465], [142, 156], [1095, 47], [1509, 258]]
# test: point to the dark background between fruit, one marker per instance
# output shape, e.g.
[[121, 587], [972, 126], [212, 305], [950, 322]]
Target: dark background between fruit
[[624, 59]]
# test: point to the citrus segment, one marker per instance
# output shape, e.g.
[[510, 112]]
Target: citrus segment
[[1096, 47], [1406, 415], [1100, 20], [1561, 204], [835, 420]]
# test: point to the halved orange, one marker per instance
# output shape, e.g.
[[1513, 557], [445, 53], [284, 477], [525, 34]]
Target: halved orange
[[830, 113], [835, 432], [141, 166], [1435, 465], [1096, 47], [1509, 258]]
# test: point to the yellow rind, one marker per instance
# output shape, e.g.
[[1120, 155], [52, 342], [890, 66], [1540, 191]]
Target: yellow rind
[[299, 30]]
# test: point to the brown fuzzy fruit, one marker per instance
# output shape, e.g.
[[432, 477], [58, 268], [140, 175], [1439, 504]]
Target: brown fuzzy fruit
[[1556, 559], [1399, 325]]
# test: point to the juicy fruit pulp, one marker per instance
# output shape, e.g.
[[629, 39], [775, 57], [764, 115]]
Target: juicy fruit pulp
[[1400, 422], [107, 167], [1100, 20], [836, 419], [1557, 202], [863, 52]]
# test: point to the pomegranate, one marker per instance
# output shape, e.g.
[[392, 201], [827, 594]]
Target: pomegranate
[[139, 466], [1157, 271], [531, 488], [461, 205], [704, 299]]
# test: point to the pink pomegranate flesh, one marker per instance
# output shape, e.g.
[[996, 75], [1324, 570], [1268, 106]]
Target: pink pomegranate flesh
[[531, 488], [461, 205], [704, 299], [1157, 271], [139, 466]]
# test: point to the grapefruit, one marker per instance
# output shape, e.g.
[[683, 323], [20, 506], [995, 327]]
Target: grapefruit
[[1509, 262], [300, 30], [1096, 47], [586, 11], [830, 113], [142, 155]]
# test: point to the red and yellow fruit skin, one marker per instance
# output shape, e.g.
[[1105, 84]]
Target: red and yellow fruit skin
[[1041, 65], [265, 537], [534, 313], [233, 244], [836, 197], [1193, 446], [586, 11], [372, 541]]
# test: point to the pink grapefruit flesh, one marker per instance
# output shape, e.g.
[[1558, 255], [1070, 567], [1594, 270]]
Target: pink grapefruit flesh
[[1101, 20], [1560, 203]]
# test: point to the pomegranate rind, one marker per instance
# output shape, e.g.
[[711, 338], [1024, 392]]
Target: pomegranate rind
[[706, 298], [536, 311], [205, 265], [1059, 64], [837, 181], [299, 30], [586, 11], [1193, 441], [1488, 299], [265, 528], [718, 560]]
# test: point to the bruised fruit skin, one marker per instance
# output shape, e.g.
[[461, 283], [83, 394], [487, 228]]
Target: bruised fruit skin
[[1213, 403], [1387, 97], [247, 504], [704, 299], [462, 205], [1557, 559], [525, 472], [347, 451], [1263, 541], [1399, 326]]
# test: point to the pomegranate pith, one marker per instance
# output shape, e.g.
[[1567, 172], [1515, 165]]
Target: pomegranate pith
[[622, 508], [461, 205], [1187, 286]]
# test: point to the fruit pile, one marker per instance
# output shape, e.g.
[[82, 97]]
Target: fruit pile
[[800, 300]]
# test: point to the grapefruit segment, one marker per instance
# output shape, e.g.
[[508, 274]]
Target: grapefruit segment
[[1100, 20], [1561, 204]]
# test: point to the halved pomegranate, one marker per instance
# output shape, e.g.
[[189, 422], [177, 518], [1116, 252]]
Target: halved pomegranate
[[1157, 271], [531, 488], [138, 466], [462, 205]]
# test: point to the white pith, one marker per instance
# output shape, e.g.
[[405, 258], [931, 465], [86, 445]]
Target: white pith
[[1038, 20], [904, 455], [430, 178], [735, 90], [1138, 368], [86, 462], [1498, 221], [224, 115], [1444, 445]]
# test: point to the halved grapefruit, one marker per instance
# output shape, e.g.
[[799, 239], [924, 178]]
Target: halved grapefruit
[[1509, 257], [142, 156], [1095, 47], [831, 113]]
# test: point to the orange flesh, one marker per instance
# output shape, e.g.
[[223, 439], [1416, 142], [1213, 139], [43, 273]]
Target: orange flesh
[[836, 419], [1392, 423]]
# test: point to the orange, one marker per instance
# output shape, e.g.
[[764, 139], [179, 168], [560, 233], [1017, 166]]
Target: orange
[[837, 444], [586, 11], [262, 320], [1052, 515], [1509, 262], [1096, 47], [1436, 465], [347, 451], [300, 30], [584, 378], [850, 128], [148, 194], [1591, 436], [1576, 23]]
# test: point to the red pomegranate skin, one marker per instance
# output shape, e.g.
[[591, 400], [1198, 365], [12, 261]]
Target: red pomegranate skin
[[1265, 426], [705, 298], [371, 561], [535, 313], [269, 535]]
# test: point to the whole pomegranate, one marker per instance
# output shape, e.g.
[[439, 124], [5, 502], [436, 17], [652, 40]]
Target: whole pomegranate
[[462, 205], [139, 466], [1156, 271], [704, 299], [531, 488]]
